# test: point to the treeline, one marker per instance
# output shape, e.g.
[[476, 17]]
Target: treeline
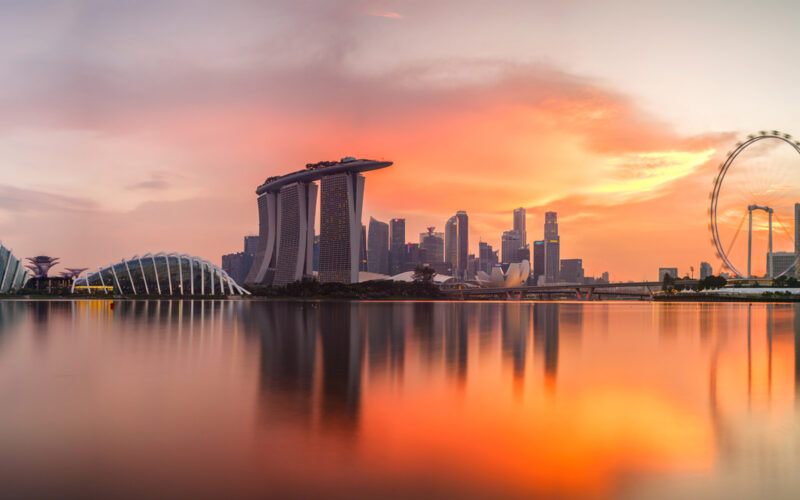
[[379, 289], [707, 283]]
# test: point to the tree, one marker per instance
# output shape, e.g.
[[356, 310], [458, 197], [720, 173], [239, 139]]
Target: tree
[[424, 274], [668, 282]]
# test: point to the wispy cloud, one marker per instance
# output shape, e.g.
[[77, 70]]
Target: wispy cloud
[[387, 14]]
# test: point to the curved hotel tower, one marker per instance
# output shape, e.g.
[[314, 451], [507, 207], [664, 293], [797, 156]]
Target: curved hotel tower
[[286, 212]]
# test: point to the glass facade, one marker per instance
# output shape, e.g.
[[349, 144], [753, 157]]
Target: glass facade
[[13, 275], [160, 274]]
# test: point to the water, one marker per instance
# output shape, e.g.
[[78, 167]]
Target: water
[[210, 399]]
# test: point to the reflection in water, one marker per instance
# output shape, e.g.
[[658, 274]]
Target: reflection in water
[[545, 317], [412, 399]]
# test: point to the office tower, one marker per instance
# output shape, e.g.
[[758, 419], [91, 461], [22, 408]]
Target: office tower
[[463, 244], [571, 271], [605, 277], [472, 267], [520, 226], [484, 257], [237, 265], [414, 257], [552, 244], [451, 242], [663, 271], [524, 253], [286, 214], [316, 253], [433, 245], [251, 244], [780, 262], [511, 243], [397, 246], [550, 225], [378, 247], [340, 227], [538, 261], [362, 265], [705, 270]]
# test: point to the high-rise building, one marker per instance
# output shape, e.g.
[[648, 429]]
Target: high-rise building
[[571, 271], [433, 245], [297, 204], [552, 248], [663, 271], [605, 277], [340, 228], [378, 247], [237, 265], [463, 244], [524, 253], [414, 257], [251, 244], [316, 253], [797, 228], [397, 246], [538, 261], [451, 241], [520, 226], [509, 249], [286, 213], [705, 270], [362, 264], [780, 262]]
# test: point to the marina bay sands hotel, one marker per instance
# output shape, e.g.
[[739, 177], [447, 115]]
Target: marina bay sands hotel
[[287, 207]]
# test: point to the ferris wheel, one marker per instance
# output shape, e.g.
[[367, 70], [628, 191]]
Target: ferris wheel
[[758, 183]]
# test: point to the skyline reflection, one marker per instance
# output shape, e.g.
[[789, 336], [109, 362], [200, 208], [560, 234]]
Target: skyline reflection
[[463, 399]]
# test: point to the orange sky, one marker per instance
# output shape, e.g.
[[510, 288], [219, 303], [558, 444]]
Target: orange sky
[[134, 139]]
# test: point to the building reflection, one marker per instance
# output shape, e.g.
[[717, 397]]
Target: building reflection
[[342, 350], [514, 336], [546, 337]]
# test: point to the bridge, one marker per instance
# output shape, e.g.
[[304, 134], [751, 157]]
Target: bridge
[[636, 289]]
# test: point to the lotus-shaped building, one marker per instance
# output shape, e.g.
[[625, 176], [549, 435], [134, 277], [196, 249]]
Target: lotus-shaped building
[[160, 274], [516, 275]]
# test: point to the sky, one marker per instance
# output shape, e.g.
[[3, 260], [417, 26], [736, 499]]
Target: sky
[[136, 126]]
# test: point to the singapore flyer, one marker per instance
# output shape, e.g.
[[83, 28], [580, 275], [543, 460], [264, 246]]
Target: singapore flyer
[[752, 206]]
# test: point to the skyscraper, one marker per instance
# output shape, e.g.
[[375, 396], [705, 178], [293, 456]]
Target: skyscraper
[[538, 260], [571, 270], [286, 214], [451, 242], [463, 244], [297, 206], [378, 247], [433, 245], [520, 226], [362, 258], [251, 244], [511, 243], [397, 245], [340, 230], [552, 244], [705, 270]]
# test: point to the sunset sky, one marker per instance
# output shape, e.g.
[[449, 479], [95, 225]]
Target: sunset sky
[[136, 126]]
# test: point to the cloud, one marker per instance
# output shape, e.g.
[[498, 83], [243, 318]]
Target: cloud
[[481, 134], [387, 14]]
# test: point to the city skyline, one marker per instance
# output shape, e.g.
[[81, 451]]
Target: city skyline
[[119, 136]]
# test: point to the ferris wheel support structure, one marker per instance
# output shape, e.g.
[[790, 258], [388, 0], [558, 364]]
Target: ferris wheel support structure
[[750, 209]]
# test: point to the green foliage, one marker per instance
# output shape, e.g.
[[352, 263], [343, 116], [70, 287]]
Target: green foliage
[[668, 283], [424, 274], [379, 289]]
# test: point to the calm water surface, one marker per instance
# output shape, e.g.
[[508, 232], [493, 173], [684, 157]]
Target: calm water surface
[[396, 400]]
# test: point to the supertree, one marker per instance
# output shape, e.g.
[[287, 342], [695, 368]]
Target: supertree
[[41, 264]]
